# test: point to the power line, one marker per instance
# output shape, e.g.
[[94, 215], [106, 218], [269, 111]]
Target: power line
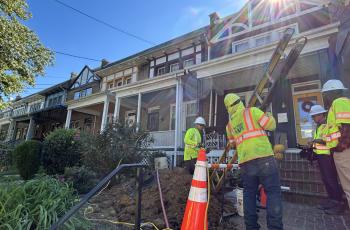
[[76, 56], [105, 23]]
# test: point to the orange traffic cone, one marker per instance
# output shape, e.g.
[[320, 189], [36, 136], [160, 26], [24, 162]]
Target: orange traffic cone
[[196, 208], [263, 197]]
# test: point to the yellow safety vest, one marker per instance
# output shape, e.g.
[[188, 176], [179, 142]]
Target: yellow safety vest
[[338, 114], [192, 139], [248, 129], [319, 134]]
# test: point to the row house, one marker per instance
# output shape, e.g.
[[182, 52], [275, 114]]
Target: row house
[[34, 116], [164, 88]]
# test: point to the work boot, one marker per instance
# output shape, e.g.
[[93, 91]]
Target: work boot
[[337, 210], [327, 204]]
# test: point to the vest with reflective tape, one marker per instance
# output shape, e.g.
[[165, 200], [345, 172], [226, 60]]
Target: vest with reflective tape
[[192, 140], [249, 134], [319, 134], [338, 113]]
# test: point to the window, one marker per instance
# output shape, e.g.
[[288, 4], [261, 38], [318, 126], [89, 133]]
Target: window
[[172, 116], [83, 93], [191, 114], [127, 80], [110, 85], [76, 95], [188, 62], [153, 121], [118, 83], [262, 40], [174, 67], [161, 71], [88, 91], [240, 47]]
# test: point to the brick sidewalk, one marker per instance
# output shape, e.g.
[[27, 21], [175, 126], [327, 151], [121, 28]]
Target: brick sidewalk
[[302, 217]]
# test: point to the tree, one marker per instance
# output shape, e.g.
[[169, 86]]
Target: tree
[[22, 56]]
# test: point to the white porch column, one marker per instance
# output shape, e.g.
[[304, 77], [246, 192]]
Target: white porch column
[[11, 131], [216, 108], [68, 118], [178, 117], [138, 116], [116, 108], [210, 107], [105, 113], [30, 131]]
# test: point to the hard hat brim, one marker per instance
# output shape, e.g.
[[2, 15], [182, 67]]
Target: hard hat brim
[[327, 90], [316, 113]]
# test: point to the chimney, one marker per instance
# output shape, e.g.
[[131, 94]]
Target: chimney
[[213, 18], [104, 62], [214, 26], [73, 75]]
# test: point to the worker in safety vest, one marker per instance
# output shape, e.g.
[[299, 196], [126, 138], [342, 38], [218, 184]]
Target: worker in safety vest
[[256, 160], [193, 140], [325, 161], [338, 133]]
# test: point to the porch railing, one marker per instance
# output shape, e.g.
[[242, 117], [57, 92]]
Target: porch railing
[[163, 139]]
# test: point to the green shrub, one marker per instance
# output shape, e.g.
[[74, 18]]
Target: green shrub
[[83, 179], [60, 150], [119, 143], [37, 204], [27, 158]]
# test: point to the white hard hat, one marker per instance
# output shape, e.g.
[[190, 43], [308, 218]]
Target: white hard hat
[[317, 109], [333, 85], [199, 121]]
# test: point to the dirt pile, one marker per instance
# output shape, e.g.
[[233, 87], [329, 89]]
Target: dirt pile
[[118, 202]]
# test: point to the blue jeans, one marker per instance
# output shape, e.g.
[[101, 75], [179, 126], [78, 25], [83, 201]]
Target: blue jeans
[[262, 171]]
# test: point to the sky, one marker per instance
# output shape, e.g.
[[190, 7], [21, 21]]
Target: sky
[[64, 30]]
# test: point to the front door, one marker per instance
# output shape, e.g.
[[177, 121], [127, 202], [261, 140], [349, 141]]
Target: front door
[[303, 122]]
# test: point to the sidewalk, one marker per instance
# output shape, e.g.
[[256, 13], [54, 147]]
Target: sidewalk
[[302, 217]]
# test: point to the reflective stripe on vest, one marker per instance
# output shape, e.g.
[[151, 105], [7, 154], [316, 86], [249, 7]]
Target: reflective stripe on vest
[[230, 132], [321, 147], [333, 136], [249, 135], [248, 120], [264, 120], [342, 115], [252, 132]]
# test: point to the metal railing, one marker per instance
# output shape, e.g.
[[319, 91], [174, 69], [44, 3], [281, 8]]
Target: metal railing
[[99, 186]]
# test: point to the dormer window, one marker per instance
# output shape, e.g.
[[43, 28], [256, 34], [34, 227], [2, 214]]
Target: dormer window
[[118, 82], [86, 76]]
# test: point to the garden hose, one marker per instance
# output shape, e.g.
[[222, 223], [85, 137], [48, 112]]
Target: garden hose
[[206, 210], [161, 201]]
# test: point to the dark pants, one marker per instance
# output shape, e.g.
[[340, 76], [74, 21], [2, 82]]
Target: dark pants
[[330, 177], [190, 165], [262, 171]]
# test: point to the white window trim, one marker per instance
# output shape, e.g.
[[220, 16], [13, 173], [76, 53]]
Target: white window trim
[[152, 109], [316, 82], [299, 13], [163, 67], [174, 64], [171, 116], [273, 35], [188, 60]]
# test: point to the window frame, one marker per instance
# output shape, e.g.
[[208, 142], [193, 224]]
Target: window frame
[[161, 68]]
